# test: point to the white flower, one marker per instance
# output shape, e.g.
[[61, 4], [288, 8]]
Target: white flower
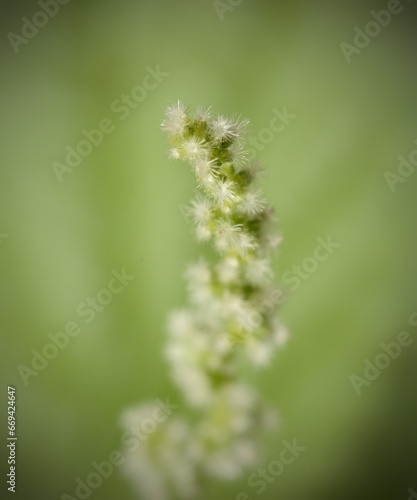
[[181, 323], [240, 396], [241, 126], [280, 335], [223, 466], [245, 243], [199, 282], [204, 168], [195, 384], [228, 270], [224, 192], [147, 479], [226, 235], [208, 183], [174, 154], [198, 274], [161, 466], [222, 129], [258, 272], [200, 210], [233, 304], [203, 114], [193, 148], [176, 119], [259, 352], [241, 312], [252, 203], [228, 463], [206, 174], [203, 232], [133, 417], [186, 355], [245, 452], [238, 154]]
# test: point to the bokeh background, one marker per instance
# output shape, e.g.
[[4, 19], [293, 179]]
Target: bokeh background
[[122, 208]]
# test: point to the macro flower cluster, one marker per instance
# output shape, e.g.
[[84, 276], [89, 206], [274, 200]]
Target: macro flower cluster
[[224, 321]]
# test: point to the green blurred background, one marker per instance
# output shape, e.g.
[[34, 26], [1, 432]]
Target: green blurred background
[[121, 208]]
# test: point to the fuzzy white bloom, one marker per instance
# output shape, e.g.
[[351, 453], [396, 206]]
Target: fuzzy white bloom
[[239, 155], [181, 323], [224, 192], [193, 149], [198, 274], [224, 317], [222, 129], [259, 352], [228, 270], [199, 282], [203, 114], [226, 235], [154, 469], [240, 312], [252, 202], [246, 243], [203, 232], [200, 210], [259, 272], [280, 335], [174, 154], [241, 126], [204, 168], [176, 119]]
